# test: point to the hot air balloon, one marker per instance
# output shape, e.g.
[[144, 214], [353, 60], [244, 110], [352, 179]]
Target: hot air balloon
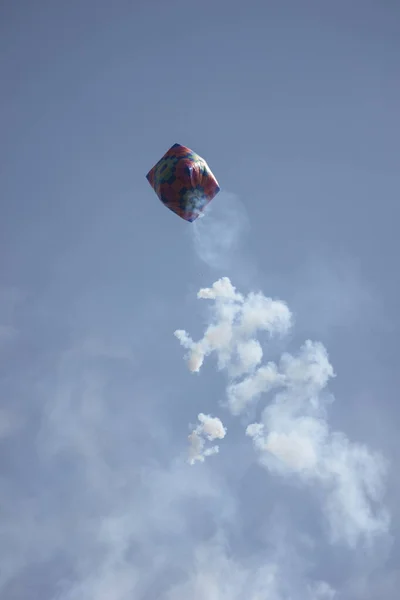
[[183, 181]]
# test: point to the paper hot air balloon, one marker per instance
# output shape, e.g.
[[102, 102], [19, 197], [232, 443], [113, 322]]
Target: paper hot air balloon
[[183, 181]]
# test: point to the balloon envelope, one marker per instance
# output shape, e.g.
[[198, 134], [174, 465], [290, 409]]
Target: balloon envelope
[[184, 182]]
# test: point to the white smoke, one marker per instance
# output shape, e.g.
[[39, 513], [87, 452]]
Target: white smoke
[[216, 236], [293, 438], [230, 334], [210, 428], [216, 575]]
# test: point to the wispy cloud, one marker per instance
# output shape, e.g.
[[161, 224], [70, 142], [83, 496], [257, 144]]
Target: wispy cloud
[[218, 576], [116, 521]]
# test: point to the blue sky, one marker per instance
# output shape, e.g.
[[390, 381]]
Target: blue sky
[[295, 108]]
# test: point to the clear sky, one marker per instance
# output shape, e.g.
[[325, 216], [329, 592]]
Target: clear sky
[[295, 106]]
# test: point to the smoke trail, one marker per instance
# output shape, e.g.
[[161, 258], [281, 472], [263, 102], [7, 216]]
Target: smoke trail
[[210, 428], [293, 438], [216, 236], [230, 334]]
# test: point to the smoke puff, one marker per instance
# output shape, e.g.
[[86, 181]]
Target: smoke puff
[[293, 438], [210, 428]]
